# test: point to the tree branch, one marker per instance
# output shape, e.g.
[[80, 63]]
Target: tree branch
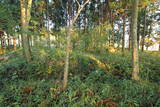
[[80, 8], [78, 4]]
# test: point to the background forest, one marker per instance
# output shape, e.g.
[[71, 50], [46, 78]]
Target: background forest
[[79, 53]]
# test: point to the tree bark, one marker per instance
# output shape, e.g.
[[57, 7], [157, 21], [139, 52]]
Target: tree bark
[[68, 29], [135, 59], [25, 17], [138, 34], [66, 69], [19, 41]]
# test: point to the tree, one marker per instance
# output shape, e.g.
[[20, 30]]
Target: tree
[[135, 59], [144, 30], [123, 38], [9, 13], [71, 20], [25, 18]]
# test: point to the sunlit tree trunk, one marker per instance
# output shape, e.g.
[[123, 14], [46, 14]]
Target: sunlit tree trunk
[[25, 17], [135, 59]]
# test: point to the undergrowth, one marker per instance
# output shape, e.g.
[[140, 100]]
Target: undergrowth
[[38, 84]]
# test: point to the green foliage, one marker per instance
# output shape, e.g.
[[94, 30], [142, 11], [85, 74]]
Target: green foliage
[[97, 87], [9, 15], [31, 85], [150, 67], [39, 82]]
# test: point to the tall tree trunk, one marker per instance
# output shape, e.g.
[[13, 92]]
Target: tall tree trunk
[[68, 31], [31, 41], [19, 41], [130, 42], [144, 30], [130, 36], [25, 17], [113, 33], [159, 46], [123, 38], [48, 39], [138, 34], [66, 69], [135, 59]]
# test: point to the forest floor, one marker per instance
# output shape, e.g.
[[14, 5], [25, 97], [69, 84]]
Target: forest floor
[[38, 84]]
